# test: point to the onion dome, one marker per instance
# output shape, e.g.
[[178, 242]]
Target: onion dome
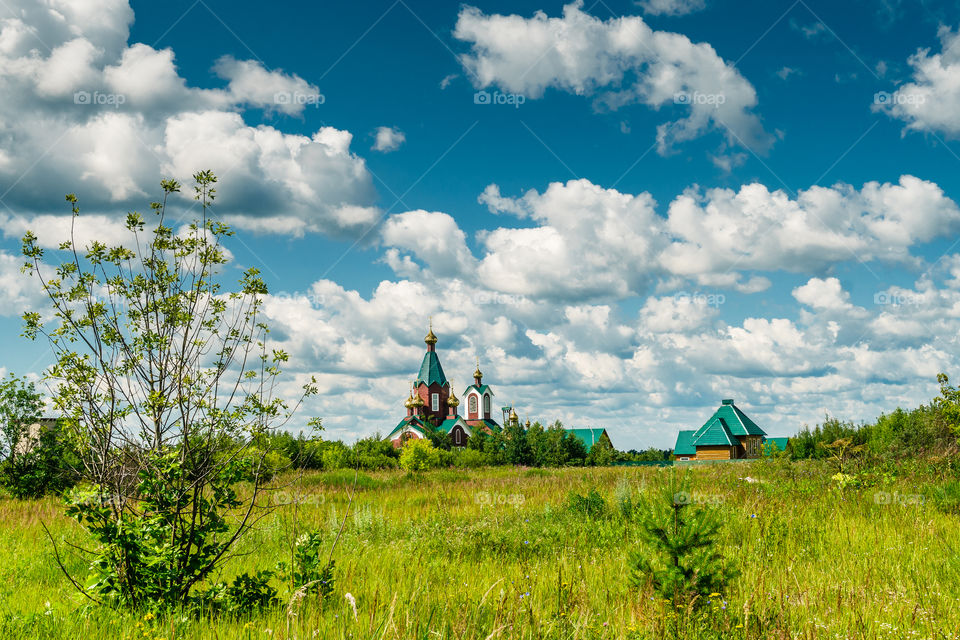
[[528, 423], [409, 401], [477, 374], [452, 401], [513, 414], [431, 338], [418, 401]]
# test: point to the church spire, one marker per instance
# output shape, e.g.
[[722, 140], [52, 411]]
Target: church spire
[[477, 375]]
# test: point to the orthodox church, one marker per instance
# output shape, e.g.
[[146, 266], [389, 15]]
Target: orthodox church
[[433, 405]]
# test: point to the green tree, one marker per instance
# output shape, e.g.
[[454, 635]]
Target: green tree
[[679, 555], [602, 453], [164, 380], [20, 407]]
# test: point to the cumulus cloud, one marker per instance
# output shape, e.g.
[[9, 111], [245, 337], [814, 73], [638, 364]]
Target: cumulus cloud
[[723, 230], [81, 108], [388, 139], [587, 242], [929, 101], [619, 61]]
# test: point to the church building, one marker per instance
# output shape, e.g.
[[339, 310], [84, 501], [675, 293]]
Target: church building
[[433, 405]]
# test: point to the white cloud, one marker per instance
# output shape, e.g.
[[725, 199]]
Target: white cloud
[[388, 139], [584, 55], [589, 242], [433, 237], [82, 111], [723, 231], [929, 102]]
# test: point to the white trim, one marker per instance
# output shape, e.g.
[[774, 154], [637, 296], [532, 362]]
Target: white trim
[[434, 402]]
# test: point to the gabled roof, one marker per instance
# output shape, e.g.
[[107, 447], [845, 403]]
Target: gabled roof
[[684, 446], [714, 433], [450, 423], [588, 437], [430, 370], [408, 421], [735, 420], [482, 389]]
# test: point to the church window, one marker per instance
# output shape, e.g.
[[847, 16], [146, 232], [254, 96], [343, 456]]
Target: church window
[[473, 404], [486, 406], [435, 402]]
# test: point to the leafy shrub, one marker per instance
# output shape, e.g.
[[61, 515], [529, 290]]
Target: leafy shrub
[[591, 505], [140, 561], [248, 593], [419, 455], [471, 459]]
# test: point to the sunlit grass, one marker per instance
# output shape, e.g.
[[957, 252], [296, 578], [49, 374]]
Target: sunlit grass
[[497, 553]]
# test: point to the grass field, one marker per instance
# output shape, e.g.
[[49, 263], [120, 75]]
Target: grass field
[[497, 553]]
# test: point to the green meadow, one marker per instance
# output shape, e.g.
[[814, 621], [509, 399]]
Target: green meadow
[[499, 553]]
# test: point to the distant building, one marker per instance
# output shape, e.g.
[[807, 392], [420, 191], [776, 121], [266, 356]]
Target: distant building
[[590, 437], [433, 405], [729, 434]]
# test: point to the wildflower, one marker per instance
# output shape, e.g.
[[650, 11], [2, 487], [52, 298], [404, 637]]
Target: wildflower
[[352, 602], [149, 617], [714, 595]]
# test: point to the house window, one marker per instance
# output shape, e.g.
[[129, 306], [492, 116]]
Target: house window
[[473, 404], [435, 402], [486, 406]]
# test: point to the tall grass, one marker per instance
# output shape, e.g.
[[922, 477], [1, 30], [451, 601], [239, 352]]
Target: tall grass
[[498, 553]]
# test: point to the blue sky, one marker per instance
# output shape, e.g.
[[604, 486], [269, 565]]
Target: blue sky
[[678, 201]]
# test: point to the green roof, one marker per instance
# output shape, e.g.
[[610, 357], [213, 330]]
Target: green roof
[[430, 370], [714, 433], [449, 423], [779, 443], [490, 423], [588, 437], [482, 389], [735, 420], [684, 446], [412, 421]]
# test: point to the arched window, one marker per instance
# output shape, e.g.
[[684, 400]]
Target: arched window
[[486, 406], [473, 404], [435, 402]]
